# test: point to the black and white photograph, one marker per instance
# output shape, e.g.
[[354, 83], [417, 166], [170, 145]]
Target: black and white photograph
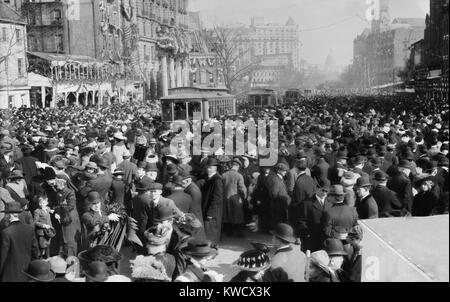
[[210, 141]]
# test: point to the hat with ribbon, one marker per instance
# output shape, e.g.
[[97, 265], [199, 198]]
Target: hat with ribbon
[[253, 261]]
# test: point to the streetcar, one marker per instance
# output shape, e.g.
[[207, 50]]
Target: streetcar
[[292, 95], [263, 97], [183, 102]]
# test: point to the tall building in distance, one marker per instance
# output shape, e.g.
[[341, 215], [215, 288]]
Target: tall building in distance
[[275, 48], [269, 39], [382, 52], [382, 17]]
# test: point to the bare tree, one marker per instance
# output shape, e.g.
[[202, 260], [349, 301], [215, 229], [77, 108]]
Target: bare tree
[[228, 44]]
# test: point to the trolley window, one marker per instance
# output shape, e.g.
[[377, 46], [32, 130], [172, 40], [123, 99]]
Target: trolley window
[[167, 111], [258, 100], [180, 111], [194, 107]]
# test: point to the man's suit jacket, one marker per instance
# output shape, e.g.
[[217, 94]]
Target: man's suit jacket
[[367, 208], [196, 195], [18, 246], [386, 200], [311, 218]]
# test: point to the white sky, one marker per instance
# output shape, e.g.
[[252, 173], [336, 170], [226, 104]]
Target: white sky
[[308, 14]]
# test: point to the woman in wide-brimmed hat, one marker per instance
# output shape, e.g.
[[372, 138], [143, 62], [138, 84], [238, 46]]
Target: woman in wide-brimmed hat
[[253, 264]]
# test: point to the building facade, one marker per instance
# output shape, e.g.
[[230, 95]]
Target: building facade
[[14, 89], [379, 56]]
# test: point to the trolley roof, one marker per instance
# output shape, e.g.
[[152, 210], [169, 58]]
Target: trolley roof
[[197, 93]]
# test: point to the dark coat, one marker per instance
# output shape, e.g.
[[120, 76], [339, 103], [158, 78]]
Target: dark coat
[[320, 171], [182, 200], [130, 171], [304, 189], [18, 247], [279, 200], [28, 164], [442, 179], [335, 174], [118, 191], [212, 206], [367, 208], [386, 200], [261, 194], [90, 220], [424, 203], [339, 218], [142, 212], [235, 192], [145, 212], [101, 185], [196, 206], [401, 185], [68, 234], [311, 218]]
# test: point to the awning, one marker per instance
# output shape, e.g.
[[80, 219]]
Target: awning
[[38, 80]]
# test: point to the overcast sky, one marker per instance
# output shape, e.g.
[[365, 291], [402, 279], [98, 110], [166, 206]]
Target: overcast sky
[[309, 14]]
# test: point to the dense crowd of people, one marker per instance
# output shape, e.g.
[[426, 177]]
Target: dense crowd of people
[[69, 175]]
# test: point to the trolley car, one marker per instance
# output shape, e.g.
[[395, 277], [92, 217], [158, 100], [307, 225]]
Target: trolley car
[[263, 97], [292, 95], [182, 103]]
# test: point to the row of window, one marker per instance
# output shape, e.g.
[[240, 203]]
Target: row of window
[[52, 44], [55, 15], [17, 35], [20, 66]]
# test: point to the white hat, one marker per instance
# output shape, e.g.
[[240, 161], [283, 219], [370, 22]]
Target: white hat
[[118, 278], [119, 135]]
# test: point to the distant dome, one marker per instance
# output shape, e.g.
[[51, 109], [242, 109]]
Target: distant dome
[[290, 22]]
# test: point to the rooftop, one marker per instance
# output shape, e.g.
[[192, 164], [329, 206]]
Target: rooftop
[[9, 15], [414, 22]]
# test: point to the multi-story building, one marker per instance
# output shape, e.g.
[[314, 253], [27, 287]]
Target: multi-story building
[[261, 44], [430, 73], [14, 89], [268, 39], [379, 56]]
